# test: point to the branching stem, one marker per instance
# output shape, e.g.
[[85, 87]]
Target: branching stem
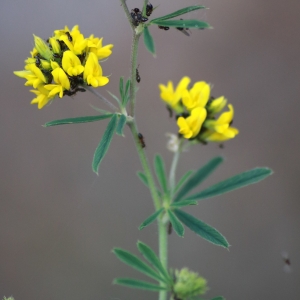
[[108, 103]]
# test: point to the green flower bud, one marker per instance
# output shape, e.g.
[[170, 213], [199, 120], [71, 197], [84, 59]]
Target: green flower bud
[[42, 48], [188, 284], [55, 45]]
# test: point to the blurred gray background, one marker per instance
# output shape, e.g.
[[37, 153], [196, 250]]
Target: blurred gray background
[[59, 221]]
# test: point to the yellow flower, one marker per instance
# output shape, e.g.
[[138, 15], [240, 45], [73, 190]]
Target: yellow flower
[[42, 96], [71, 64], [62, 81], [95, 46], [64, 63], [171, 96], [197, 96], [42, 48], [33, 74], [223, 122], [191, 126], [74, 40], [220, 130], [93, 72]]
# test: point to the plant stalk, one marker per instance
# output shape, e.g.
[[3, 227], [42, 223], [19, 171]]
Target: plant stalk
[[162, 228]]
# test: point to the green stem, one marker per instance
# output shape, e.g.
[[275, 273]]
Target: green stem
[[134, 54], [162, 227], [123, 3], [108, 103], [162, 230], [172, 175]]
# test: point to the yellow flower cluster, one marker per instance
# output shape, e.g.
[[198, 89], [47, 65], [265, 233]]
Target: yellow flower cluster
[[196, 111], [64, 64]]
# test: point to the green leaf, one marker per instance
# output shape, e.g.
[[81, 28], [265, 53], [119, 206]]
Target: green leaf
[[150, 219], [152, 258], [178, 227], [100, 110], [204, 230], [116, 98], [121, 87], [161, 172], [179, 12], [148, 40], [104, 143], [184, 203], [198, 177], [233, 183], [78, 120], [139, 284], [121, 124], [196, 24], [143, 178], [127, 94], [182, 180], [136, 263]]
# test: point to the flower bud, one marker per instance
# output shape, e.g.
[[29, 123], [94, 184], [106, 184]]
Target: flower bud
[[55, 45], [42, 48], [188, 284]]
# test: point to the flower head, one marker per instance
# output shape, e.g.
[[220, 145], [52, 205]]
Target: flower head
[[64, 64], [188, 284], [196, 112]]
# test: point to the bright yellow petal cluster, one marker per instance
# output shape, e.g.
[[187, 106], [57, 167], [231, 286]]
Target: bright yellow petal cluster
[[172, 97], [196, 111], [189, 127], [220, 130], [64, 64], [197, 96], [93, 72]]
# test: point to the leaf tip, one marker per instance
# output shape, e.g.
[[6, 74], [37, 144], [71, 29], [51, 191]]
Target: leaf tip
[[95, 171]]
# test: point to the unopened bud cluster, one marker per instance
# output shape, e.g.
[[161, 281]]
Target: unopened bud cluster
[[196, 111], [64, 64], [188, 284]]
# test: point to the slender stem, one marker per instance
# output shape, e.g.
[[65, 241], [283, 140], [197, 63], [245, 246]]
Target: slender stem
[[163, 249], [172, 175], [145, 164], [162, 227], [134, 54], [90, 89], [163, 252], [125, 7]]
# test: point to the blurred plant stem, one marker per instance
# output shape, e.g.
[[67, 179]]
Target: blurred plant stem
[[162, 227]]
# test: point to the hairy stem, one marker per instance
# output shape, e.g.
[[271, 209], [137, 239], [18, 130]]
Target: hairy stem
[[162, 230], [134, 54], [125, 7], [172, 176]]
